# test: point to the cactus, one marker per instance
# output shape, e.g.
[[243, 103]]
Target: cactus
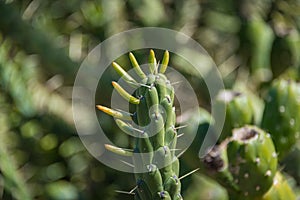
[[203, 187], [153, 112], [217, 167], [260, 36], [282, 115], [239, 111], [291, 163], [280, 190], [245, 164], [251, 153]]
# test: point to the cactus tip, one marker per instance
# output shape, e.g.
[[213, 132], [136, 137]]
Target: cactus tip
[[165, 62], [123, 74], [100, 107], [114, 83], [152, 62], [152, 52], [125, 94], [105, 110]]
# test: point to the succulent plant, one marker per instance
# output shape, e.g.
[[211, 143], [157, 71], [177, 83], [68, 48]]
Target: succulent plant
[[239, 111], [217, 167], [291, 163], [156, 135], [260, 35], [252, 160], [281, 116], [280, 190], [245, 164]]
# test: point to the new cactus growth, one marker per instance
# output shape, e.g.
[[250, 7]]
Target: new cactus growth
[[239, 111], [282, 114], [156, 135]]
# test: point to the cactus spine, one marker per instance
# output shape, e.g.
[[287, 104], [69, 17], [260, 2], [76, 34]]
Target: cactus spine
[[153, 112]]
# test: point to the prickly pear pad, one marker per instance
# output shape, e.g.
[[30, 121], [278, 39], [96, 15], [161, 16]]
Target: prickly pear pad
[[252, 160], [281, 116]]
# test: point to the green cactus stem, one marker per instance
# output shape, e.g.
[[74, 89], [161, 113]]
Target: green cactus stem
[[281, 116], [260, 36], [239, 111], [280, 190], [156, 135], [252, 160], [244, 164], [217, 166], [291, 163]]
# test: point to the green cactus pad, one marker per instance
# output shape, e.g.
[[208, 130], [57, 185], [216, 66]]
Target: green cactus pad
[[252, 160], [244, 164], [239, 111], [280, 190], [281, 116], [291, 163]]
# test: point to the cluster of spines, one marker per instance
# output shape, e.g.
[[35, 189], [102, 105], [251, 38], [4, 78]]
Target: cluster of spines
[[156, 136]]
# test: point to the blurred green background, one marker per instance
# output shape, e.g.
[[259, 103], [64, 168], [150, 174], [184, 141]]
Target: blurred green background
[[43, 42]]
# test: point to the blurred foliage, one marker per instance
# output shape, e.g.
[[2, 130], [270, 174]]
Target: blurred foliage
[[43, 42]]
